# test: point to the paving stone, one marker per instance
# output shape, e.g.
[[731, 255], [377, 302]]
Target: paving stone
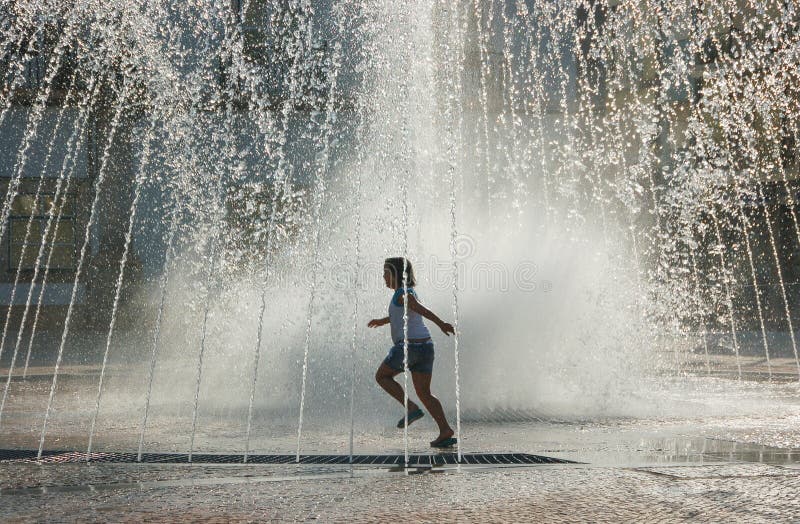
[[552, 494]]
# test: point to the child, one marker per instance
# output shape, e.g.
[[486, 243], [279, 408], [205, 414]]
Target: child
[[420, 348]]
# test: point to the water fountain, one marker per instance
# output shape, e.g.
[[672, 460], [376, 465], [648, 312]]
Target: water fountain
[[602, 193]]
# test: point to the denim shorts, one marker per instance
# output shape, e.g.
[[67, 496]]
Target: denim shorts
[[420, 357]]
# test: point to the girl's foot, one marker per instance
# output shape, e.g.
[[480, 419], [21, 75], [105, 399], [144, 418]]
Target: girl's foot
[[443, 436], [413, 415]]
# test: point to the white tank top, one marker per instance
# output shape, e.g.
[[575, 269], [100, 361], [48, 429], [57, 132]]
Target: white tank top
[[416, 327]]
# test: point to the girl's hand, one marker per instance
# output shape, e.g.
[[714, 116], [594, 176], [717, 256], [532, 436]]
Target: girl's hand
[[447, 328], [377, 322]]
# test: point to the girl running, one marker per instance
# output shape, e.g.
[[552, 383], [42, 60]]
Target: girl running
[[420, 348]]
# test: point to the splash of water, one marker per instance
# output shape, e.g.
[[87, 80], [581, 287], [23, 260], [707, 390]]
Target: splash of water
[[119, 107], [632, 135]]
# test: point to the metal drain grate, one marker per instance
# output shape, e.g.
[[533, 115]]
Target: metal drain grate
[[439, 459]]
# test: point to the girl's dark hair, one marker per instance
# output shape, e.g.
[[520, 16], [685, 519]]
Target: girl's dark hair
[[395, 266]]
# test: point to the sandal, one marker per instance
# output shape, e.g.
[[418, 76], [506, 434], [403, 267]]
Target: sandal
[[412, 416], [449, 442]]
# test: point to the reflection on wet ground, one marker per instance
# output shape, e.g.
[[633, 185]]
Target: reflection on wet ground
[[721, 492], [724, 452]]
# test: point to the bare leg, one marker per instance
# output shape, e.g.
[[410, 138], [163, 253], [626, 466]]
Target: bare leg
[[385, 378], [422, 384]]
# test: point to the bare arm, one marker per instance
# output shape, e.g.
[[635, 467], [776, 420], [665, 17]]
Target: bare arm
[[414, 305], [378, 322]]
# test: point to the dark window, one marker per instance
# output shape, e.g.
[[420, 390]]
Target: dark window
[[60, 238]]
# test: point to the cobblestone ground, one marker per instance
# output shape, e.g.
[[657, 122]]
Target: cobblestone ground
[[128, 493], [726, 452]]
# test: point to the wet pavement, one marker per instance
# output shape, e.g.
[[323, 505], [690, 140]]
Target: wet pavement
[[736, 459], [721, 492]]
